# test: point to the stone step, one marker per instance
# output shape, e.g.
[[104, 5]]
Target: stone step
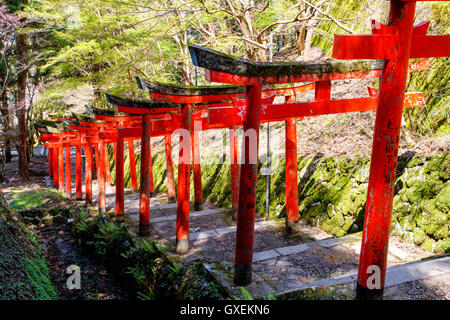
[[395, 275]]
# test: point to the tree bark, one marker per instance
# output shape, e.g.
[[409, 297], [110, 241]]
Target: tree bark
[[6, 124], [21, 105]]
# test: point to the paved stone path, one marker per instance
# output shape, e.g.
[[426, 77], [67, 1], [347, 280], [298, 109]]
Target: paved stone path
[[281, 263]]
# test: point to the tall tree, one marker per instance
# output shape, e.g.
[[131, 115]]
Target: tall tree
[[21, 105]]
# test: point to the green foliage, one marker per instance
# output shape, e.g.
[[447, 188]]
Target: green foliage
[[37, 274], [357, 12], [111, 240], [15, 5], [144, 268], [104, 240], [23, 271], [245, 294]]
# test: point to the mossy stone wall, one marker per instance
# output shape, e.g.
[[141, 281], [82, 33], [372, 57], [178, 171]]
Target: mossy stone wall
[[332, 194]]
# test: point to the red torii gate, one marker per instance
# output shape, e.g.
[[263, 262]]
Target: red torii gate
[[121, 120], [56, 138], [147, 110], [290, 112], [88, 131], [52, 142], [394, 43], [217, 118], [46, 136], [91, 130], [181, 120], [132, 126], [194, 97], [222, 68], [50, 134], [205, 99], [56, 142], [117, 121]]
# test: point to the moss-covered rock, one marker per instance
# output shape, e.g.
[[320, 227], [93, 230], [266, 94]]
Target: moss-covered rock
[[333, 192], [418, 236]]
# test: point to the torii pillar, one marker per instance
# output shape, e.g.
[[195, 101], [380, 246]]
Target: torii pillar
[[119, 179], [144, 205], [88, 170], [234, 172], [50, 160], [60, 165], [184, 175], [169, 167], [68, 170], [292, 215], [78, 182]]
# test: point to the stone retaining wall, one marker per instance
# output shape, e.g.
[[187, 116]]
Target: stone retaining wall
[[332, 194]]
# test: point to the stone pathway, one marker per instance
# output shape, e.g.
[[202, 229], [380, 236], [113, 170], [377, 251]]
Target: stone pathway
[[281, 263]]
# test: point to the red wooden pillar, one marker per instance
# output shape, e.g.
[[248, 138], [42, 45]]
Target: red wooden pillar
[[132, 164], [88, 171], [291, 173], [247, 189], [107, 168], [61, 167], [144, 203], [115, 152], [55, 165], [78, 182], [101, 177], [150, 172], [196, 170], [323, 90], [169, 168], [383, 165], [234, 172], [120, 198], [184, 176], [96, 161], [50, 161], [68, 172]]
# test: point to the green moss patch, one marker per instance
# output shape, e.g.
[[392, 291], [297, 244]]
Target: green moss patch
[[23, 270], [38, 198]]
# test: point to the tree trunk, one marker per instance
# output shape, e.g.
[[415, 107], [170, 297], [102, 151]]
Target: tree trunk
[[21, 105], [309, 32], [301, 40], [6, 124]]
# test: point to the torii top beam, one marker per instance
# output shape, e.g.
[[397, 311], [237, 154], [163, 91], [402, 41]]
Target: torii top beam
[[160, 126], [156, 109], [227, 69], [164, 92], [116, 117], [47, 126]]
